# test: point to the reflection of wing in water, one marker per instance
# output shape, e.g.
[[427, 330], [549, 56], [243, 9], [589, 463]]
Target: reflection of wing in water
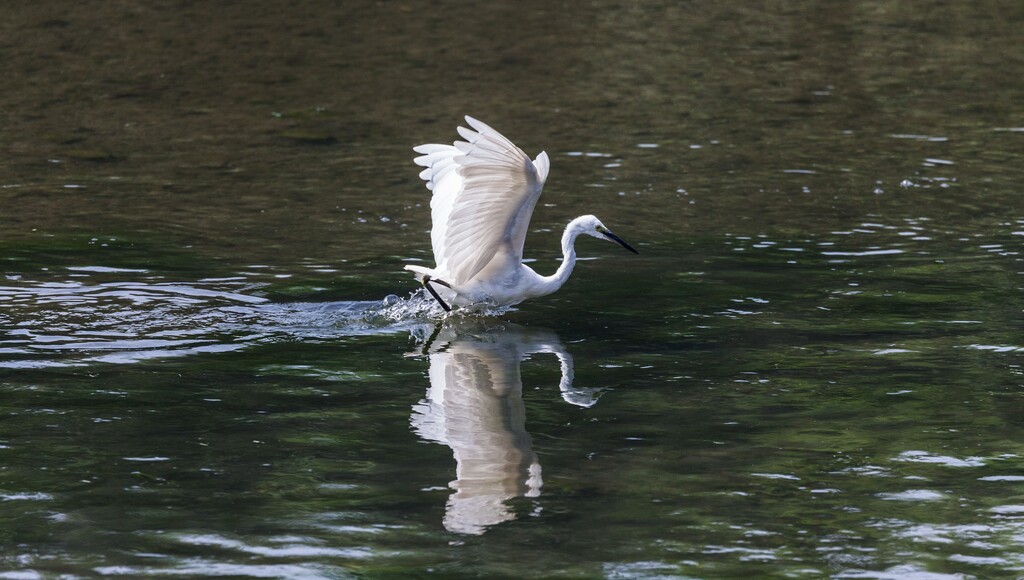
[[475, 406]]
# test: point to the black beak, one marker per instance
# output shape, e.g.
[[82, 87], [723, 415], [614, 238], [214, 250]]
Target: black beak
[[619, 240]]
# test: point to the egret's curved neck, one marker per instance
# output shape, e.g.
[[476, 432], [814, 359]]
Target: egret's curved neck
[[555, 281]]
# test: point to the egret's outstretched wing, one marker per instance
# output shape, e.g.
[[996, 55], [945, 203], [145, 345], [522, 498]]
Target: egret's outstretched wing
[[485, 189]]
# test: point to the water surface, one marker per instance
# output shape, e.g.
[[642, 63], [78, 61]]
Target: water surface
[[212, 362]]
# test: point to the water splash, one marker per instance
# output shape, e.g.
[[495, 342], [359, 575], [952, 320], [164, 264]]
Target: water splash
[[76, 323], [421, 306]]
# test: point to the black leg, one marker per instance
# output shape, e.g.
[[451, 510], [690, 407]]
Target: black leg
[[441, 282], [426, 284]]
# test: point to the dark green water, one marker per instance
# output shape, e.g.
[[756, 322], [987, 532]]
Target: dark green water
[[814, 368]]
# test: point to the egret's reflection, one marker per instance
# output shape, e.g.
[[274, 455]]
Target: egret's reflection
[[475, 406]]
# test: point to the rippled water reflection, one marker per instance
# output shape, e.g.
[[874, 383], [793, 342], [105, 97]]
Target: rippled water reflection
[[843, 401], [813, 368], [475, 406], [61, 324]]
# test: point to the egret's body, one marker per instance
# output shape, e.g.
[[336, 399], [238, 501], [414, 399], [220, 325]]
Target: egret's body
[[484, 191]]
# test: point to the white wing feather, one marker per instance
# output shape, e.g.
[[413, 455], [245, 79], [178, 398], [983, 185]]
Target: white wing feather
[[484, 192]]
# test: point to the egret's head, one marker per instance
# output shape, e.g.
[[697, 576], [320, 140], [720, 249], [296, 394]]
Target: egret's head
[[593, 226]]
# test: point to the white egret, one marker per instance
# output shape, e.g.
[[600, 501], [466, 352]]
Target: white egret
[[484, 191]]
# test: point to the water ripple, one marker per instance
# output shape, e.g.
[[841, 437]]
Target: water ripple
[[945, 460], [72, 323]]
